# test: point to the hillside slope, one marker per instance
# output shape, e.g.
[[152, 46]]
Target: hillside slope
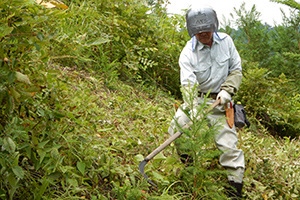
[[116, 125], [82, 137]]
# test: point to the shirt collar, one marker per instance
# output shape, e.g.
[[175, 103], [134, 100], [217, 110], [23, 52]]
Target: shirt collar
[[195, 42]]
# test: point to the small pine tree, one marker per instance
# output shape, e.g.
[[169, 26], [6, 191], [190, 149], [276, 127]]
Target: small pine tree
[[202, 173]]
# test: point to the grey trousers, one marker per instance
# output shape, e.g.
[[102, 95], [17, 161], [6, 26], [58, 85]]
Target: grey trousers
[[226, 141]]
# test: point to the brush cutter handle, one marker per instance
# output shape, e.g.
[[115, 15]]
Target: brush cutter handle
[[163, 145], [177, 134]]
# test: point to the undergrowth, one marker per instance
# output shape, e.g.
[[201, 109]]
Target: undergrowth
[[70, 129], [93, 141]]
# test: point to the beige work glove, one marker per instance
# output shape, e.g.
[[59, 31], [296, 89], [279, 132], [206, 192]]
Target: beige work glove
[[224, 96]]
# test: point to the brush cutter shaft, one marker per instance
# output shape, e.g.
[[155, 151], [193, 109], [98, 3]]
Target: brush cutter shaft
[[163, 145]]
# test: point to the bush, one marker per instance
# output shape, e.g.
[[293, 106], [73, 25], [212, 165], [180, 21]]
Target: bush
[[270, 101]]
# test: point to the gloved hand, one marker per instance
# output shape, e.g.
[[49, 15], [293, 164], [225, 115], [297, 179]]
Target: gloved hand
[[224, 96]]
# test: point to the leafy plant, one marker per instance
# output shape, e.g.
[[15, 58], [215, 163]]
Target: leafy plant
[[195, 147], [71, 129], [270, 100]]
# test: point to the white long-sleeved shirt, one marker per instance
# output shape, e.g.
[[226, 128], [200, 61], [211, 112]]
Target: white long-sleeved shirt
[[208, 67]]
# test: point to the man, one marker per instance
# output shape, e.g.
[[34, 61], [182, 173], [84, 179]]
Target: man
[[210, 62]]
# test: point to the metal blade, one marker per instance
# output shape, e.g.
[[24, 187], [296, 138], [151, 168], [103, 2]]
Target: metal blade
[[142, 168]]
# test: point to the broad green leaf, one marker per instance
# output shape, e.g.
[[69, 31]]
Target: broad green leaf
[[72, 182], [81, 167], [54, 153], [171, 160], [12, 180], [42, 189], [120, 170], [58, 115], [18, 171], [105, 129], [5, 30], [32, 89], [38, 47], [11, 77], [10, 104], [157, 176], [34, 140], [139, 158], [55, 175], [2, 193], [42, 155], [15, 94], [40, 36], [9, 145], [160, 156], [42, 144], [22, 78], [65, 169], [96, 42]]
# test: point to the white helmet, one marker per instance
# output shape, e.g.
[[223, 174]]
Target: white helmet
[[201, 20]]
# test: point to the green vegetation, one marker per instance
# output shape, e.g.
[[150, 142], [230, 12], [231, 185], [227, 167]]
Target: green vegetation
[[87, 92]]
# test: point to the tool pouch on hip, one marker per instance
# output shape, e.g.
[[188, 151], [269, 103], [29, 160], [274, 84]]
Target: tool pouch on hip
[[240, 119]]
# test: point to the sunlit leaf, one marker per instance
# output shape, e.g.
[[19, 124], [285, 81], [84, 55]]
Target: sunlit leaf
[[9, 145], [59, 4], [81, 167], [97, 42], [22, 78], [42, 155], [52, 4], [40, 36], [5, 30], [65, 169], [139, 158], [159, 156], [72, 182], [45, 4], [54, 153], [18, 171]]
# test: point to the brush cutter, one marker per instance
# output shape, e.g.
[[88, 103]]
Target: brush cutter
[[166, 143]]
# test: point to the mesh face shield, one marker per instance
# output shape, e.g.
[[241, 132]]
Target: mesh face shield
[[201, 20]]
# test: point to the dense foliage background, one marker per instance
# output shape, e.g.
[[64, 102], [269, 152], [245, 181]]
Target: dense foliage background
[[86, 92]]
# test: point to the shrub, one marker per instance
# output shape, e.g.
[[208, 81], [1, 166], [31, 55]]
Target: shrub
[[271, 101]]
